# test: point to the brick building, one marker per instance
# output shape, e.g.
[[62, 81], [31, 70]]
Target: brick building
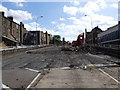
[[45, 38], [12, 32], [37, 38], [91, 37]]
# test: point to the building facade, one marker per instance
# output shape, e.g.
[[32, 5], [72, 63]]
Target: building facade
[[110, 37], [91, 37], [37, 38], [23, 33], [12, 32]]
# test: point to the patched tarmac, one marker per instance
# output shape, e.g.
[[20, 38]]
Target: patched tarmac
[[76, 78]]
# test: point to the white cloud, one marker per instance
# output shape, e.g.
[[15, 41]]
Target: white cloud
[[18, 2], [53, 22], [32, 27], [50, 31], [101, 3], [61, 19], [91, 7], [70, 10], [68, 31], [79, 24], [88, 8], [18, 15], [104, 21], [75, 2], [115, 5], [2, 8], [92, 20], [73, 19]]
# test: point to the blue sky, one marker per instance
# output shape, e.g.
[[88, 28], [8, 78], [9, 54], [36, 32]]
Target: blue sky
[[64, 18]]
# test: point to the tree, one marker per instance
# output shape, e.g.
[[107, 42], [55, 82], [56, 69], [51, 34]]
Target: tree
[[57, 39]]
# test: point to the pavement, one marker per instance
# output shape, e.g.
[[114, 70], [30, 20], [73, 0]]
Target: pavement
[[76, 78]]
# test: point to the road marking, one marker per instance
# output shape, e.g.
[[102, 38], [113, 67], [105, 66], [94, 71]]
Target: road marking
[[32, 70], [110, 76], [102, 65], [33, 81], [4, 86]]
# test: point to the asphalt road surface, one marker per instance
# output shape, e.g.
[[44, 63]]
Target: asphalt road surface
[[21, 69]]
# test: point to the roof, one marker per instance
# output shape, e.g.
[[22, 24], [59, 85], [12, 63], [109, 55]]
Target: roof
[[96, 28], [109, 30], [112, 27]]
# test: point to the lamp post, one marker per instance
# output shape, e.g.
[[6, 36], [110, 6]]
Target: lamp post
[[36, 26], [91, 26], [37, 20], [91, 21]]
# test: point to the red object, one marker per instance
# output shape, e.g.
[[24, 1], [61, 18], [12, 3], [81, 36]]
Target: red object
[[79, 41], [69, 43]]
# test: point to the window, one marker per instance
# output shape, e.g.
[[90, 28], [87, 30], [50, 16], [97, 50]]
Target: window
[[17, 34], [8, 31], [9, 23], [17, 26]]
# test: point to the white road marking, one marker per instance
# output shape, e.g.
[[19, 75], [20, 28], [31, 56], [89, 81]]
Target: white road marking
[[6, 87], [109, 76], [32, 70], [33, 81]]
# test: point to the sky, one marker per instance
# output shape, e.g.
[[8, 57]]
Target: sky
[[67, 19]]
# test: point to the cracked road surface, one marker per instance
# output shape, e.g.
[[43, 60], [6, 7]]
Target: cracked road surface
[[14, 69], [76, 78]]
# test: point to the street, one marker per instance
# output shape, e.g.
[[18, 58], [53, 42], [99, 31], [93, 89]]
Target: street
[[56, 68]]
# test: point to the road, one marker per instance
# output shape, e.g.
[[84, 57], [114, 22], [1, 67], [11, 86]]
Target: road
[[24, 67]]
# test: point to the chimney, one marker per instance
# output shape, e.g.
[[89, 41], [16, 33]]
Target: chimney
[[2, 13], [22, 24], [10, 18]]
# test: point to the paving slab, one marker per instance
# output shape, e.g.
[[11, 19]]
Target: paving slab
[[18, 78], [76, 78]]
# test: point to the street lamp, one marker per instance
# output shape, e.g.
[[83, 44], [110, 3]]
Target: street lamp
[[91, 21], [91, 26], [36, 27], [37, 20]]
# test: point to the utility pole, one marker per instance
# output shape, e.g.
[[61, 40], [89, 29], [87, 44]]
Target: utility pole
[[36, 26], [91, 27]]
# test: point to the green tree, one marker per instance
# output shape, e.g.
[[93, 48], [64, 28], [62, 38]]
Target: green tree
[[57, 39]]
